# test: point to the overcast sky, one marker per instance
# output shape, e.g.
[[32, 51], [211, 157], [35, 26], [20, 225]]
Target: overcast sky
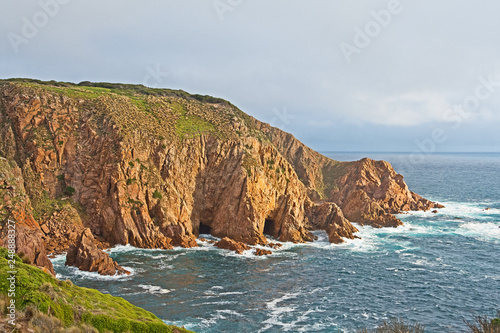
[[340, 75]]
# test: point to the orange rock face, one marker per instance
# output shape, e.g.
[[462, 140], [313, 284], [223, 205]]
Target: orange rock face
[[15, 206]]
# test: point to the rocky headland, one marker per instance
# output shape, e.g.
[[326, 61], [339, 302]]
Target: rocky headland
[[84, 167]]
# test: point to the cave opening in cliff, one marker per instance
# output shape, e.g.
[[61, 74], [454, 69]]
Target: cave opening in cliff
[[204, 229], [269, 227]]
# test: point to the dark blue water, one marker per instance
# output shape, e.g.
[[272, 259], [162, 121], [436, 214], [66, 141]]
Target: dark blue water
[[438, 269]]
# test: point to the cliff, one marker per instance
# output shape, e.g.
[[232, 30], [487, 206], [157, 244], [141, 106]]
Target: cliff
[[155, 167]]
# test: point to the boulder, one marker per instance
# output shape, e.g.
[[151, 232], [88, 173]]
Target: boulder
[[88, 257], [262, 252], [229, 244], [274, 245]]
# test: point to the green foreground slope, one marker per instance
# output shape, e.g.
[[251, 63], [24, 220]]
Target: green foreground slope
[[39, 293]]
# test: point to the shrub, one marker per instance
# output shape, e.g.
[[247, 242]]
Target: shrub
[[484, 324], [24, 258], [157, 195], [48, 289], [69, 191], [44, 323], [396, 326]]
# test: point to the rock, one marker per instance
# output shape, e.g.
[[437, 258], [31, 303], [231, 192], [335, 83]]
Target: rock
[[88, 257], [29, 237], [29, 245], [230, 244], [274, 245], [329, 217], [487, 208], [434, 211], [262, 252], [185, 241]]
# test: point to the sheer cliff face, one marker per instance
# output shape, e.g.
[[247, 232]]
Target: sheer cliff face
[[154, 171]]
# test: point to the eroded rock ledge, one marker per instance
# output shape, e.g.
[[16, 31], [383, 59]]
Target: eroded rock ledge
[[154, 168]]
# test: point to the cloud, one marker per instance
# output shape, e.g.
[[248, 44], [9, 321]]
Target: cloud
[[265, 55], [407, 109]]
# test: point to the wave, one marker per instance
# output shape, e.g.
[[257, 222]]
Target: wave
[[473, 210], [154, 289], [279, 315], [69, 272], [480, 230]]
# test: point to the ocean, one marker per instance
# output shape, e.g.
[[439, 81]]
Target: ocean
[[438, 269]]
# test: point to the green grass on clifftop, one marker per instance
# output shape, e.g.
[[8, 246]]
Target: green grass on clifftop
[[73, 306], [163, 113]]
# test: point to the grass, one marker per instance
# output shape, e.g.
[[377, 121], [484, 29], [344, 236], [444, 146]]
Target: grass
[[88, 89], [157, 195], [250, 163], [480, 324], [174, 115], [189, 126], [72, 305], [46, 206]]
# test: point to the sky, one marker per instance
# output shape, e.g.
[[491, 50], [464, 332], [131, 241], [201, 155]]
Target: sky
[[366, 75]]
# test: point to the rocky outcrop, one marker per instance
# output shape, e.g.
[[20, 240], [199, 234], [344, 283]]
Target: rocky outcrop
[[367, 191], [85, 255], [232, 245], [155, 168], [329, 217], [31, 248], [371, 191]]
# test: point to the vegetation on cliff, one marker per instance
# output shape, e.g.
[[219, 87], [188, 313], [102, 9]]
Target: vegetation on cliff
[[50, 305]]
